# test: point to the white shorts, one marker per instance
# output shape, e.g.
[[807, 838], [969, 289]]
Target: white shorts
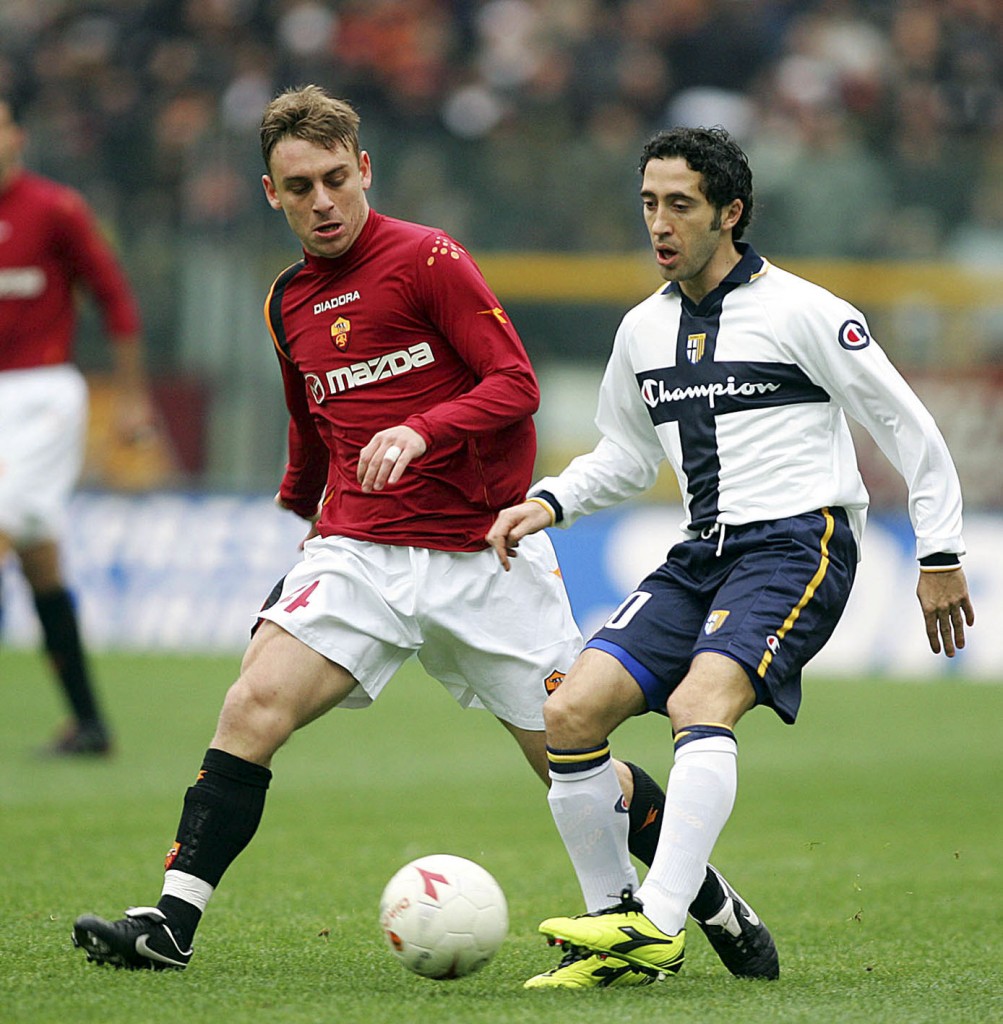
[[43, 426], [496, 640]]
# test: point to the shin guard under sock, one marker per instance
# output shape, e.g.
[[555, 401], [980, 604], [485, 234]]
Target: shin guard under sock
[[221, 813]]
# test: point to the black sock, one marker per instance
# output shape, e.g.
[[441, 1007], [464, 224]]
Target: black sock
[[183, 918], [221, 813], [710, 899], [645, 814], [58, 618]]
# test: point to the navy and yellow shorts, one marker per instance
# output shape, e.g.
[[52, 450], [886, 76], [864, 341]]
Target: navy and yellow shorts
[[769, 597]]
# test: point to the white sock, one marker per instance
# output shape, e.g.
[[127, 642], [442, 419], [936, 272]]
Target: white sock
[[698, 801], [591, 816]]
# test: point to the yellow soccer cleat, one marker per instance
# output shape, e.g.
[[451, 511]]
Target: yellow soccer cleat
[[621, 931], [580, 968]]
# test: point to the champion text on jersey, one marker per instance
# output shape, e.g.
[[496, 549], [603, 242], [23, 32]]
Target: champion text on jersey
[[655, 392], [338, 300], [344, 378]]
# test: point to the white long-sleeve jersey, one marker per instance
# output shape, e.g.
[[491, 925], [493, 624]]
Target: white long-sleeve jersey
[[746, 396]]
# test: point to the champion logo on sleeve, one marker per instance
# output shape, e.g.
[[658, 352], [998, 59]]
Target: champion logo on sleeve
[[853, 335]]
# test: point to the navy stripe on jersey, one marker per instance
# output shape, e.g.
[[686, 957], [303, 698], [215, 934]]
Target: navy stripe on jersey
[[275, 306], [698, 389]]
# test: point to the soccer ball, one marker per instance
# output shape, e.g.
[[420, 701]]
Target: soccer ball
[[443, 916]]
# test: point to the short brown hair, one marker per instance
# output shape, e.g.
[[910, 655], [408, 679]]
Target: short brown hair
[[311, 114]]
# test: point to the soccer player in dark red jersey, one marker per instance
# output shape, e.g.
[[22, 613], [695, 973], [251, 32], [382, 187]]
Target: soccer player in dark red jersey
[[49, 245], [410, 398]]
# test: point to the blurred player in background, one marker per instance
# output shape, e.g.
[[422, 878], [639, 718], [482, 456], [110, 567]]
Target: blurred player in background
[[738, 373], [49, 245], [411, 400]]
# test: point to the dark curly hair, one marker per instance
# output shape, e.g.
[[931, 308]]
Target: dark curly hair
[[715, 155]]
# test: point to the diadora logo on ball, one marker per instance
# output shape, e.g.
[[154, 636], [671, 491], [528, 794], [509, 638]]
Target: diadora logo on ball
[[853, 335], [344, 378]]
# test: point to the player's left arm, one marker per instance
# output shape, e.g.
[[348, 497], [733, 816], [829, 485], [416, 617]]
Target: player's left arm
[[846, 361], [458, 301]]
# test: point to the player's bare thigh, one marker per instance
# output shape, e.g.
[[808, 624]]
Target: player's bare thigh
[[716, 689], [597, 696], [283, 685]]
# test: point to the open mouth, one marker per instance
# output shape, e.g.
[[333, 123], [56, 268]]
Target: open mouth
[[666, 257], [329, 229]]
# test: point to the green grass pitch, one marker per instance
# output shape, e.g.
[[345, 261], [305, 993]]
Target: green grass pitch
[[869, 837]]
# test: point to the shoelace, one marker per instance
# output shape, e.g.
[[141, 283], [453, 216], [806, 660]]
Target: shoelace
[[629, 904]]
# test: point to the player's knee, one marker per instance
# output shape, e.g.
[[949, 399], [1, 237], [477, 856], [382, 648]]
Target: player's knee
[[569, 722], [253, 719]]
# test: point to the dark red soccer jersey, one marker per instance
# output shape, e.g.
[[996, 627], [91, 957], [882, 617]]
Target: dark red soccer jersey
[[403, 328], [49, 244]]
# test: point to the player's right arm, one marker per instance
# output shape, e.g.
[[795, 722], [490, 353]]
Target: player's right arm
[[307, 469]]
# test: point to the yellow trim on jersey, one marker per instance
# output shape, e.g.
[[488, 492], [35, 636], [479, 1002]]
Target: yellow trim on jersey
[[809, 591], [587, 755]]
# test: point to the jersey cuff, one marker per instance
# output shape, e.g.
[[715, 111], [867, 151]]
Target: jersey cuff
[[550, 503], [942, 561]]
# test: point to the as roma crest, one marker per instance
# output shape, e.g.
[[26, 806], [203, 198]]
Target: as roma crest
[[554, 680], [339, 332]]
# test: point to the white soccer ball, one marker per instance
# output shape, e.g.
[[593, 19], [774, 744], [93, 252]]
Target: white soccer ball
[[443, 916]]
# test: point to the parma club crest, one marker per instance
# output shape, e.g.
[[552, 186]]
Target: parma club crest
[[715, 621], [695, 347]]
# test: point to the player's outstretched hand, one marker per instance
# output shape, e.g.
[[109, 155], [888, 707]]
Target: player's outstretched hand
[[512, 525], [947, 609], [387, 455]]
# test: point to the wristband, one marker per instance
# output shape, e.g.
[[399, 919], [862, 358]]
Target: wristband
[[942, 561]]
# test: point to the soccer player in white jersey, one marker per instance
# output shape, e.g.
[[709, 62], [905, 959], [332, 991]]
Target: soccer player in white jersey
[[741, 376]]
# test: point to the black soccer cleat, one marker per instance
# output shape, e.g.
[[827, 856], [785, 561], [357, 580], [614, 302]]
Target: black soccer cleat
[[740, 939], [140, 941]]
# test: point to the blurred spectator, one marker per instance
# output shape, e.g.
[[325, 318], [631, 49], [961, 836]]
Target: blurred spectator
[[510, 118]]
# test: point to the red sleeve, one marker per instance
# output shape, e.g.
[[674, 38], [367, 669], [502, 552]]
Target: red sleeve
[[306, 471], [89, 258], [466, 311]]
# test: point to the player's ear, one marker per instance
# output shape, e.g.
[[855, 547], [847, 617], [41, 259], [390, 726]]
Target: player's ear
[[731, 214], [270, 194], [365, 169]]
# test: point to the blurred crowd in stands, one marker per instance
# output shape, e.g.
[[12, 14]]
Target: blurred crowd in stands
[[874, 127]]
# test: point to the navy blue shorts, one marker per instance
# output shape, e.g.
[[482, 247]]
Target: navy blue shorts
[[770, 599]]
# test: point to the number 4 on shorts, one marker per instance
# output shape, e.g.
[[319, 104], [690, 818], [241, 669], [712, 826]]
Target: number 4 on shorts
[[302, 597]]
